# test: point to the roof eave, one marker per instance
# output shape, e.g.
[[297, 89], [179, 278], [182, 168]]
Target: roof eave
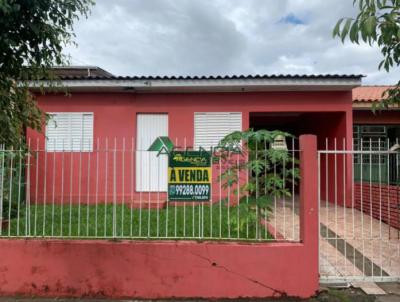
[[193, 85]]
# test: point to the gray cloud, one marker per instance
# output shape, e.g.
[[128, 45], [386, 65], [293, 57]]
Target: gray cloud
[[209, 37]]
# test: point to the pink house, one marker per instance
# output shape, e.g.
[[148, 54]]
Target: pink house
[[103, 113], [97, 148]]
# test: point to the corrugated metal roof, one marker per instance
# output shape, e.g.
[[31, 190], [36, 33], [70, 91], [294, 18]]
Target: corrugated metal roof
[[369, 93], [219, 77], [79, 71], [84, 80]]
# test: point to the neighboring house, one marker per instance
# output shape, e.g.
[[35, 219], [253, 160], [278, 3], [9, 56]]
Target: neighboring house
[[376, 176], [375, 130], [112, 112], [374, 126]]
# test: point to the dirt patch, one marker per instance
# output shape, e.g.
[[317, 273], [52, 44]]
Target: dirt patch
[[328, 295]]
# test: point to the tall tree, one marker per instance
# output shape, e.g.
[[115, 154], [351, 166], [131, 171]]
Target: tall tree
[[377, 23], [33, 34]]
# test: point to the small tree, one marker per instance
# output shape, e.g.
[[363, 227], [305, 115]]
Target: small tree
[[270, 172], [32, 36], [378, 21]]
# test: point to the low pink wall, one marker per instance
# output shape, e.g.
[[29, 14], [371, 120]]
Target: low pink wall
[[155, 269], [172, 269]]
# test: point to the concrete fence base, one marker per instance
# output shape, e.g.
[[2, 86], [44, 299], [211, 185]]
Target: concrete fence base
[[171, 269], [155, 269]]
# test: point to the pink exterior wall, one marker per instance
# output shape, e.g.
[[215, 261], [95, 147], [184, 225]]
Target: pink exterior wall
[[171, 269], [115, 118]]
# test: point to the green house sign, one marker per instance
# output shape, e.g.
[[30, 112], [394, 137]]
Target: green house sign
[[189, 176], [161, 144]]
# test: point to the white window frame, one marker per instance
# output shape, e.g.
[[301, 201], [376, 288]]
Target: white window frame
[[69, 146], [239, 128]]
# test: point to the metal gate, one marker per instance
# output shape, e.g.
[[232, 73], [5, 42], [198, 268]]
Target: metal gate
[[359, 199]]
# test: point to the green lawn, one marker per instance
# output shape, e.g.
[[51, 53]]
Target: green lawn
[[197, 222]]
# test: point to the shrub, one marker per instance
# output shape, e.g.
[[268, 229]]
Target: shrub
[[270, 172], [12, 183]]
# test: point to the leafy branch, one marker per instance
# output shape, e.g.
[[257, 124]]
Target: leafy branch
[[377, 22], [32, 36]]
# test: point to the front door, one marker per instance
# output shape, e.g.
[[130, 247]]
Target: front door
[[151, 170]]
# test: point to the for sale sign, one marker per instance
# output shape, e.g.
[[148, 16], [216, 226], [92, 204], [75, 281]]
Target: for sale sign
[[189, 176]]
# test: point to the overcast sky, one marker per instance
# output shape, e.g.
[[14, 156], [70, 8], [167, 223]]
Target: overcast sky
[[218, 37]]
